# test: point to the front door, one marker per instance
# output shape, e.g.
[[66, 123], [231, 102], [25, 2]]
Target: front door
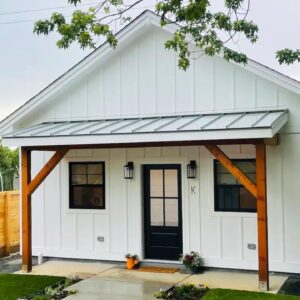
[[162, 211]]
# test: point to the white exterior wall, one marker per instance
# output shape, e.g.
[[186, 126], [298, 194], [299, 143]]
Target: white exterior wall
[[143, 79]]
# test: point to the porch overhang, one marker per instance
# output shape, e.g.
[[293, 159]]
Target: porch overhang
[[226, 126]]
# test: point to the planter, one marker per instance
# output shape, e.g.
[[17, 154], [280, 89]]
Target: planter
[[131, 263]]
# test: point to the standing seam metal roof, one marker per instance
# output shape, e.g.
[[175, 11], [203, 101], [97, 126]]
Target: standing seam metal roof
[[159, 124]]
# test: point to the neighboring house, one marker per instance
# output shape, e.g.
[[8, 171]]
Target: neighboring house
[[133, 107]]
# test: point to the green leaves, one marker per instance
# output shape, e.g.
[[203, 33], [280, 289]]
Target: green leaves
[[201, 29], [288, 56], [205, 29]]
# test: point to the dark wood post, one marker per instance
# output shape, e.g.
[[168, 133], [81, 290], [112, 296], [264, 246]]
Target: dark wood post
[[26, 211], [262, 219]]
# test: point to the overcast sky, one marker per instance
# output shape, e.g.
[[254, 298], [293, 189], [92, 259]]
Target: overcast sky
[[28, 63]]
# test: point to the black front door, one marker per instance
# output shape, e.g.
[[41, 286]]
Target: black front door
[[162, 205]]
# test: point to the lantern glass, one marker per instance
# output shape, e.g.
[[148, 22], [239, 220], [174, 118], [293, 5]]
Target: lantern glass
[[128, 170], [191, 169]]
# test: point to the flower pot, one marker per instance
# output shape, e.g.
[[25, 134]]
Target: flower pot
[[131, 263]]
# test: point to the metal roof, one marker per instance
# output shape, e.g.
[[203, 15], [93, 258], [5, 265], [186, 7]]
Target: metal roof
[[267, 121]]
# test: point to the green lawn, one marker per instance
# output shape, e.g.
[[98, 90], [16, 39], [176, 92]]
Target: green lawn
[[216, 294], [13, 286]]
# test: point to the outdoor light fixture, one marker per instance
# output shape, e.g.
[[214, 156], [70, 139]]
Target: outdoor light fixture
[[191, 169], [128, 170]]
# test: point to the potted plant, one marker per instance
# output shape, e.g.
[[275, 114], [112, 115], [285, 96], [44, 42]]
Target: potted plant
[[192, 261], [131, 261]]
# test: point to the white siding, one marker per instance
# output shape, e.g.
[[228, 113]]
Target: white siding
[[143, 79]]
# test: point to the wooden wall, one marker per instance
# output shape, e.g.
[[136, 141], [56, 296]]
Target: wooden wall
[[9, 222]]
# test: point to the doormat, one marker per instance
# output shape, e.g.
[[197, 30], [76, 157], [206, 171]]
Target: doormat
[[291, 286], [157, 269]]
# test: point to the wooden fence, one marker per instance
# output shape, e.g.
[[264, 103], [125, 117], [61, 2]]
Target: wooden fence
[[9, 222]]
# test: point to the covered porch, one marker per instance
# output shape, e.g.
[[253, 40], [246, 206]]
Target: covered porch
[[258, 128]]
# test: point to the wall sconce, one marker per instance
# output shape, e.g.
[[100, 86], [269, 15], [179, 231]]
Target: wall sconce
[[191, 169], [128, 170]]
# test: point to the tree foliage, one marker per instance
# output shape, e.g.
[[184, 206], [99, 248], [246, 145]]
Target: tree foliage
[[209, 30], [9, 159]]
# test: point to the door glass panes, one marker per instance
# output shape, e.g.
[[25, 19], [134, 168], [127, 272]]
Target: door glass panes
[[157, 211], [171, 184], [171, 212], [156, 183]]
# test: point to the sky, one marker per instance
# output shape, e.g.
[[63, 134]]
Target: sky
[[29, 62]]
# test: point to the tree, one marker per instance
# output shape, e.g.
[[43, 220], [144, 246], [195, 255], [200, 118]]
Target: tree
[[9, 167], [210, 31]]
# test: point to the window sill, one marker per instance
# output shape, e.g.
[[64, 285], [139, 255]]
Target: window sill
[[86, 211]]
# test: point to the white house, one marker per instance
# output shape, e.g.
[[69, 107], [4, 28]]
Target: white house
[[188, 137]]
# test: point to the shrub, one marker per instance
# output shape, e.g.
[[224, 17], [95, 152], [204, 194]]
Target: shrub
[[192, 261], [186, 291]]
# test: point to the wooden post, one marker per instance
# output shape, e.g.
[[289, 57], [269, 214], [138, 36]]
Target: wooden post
[[6, 224], [26, 212], [262, 220]]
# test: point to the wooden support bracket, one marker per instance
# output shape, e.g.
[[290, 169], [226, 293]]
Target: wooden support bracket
[[28, 187], [232, 168]]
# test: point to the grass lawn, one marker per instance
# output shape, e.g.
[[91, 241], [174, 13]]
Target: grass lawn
[[223, 294], [13, 286]]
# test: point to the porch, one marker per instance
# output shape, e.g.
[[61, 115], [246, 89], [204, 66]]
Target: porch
[[95, 273], [209, 132]]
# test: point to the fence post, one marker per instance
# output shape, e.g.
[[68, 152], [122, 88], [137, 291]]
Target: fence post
[[6, 224]]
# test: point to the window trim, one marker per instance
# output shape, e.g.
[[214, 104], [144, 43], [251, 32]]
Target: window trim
[[71, 206], [216, 209]]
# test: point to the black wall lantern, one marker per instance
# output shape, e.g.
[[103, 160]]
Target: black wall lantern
[[191, 169], [128, 170]]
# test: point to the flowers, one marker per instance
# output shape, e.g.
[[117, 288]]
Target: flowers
[[132, 256], [192, 261]]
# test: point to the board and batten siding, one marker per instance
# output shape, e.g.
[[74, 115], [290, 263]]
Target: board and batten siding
[[221, 238], [143, 79]]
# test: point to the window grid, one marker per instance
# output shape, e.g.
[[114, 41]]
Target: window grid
[[72, 185]]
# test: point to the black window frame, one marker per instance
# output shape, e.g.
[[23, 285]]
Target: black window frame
[[216, 185], [71, 204]]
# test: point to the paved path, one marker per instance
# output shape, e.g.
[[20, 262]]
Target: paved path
[[115, 289]]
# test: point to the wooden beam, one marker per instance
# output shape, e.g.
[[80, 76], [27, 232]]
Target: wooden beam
[[45, 171], [26, 212], [262, 221], [233, 169]]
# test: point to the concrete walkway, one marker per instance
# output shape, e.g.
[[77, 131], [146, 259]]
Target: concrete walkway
[[105, 281]]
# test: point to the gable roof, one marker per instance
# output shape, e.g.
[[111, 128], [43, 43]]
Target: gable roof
[[130, 31]]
